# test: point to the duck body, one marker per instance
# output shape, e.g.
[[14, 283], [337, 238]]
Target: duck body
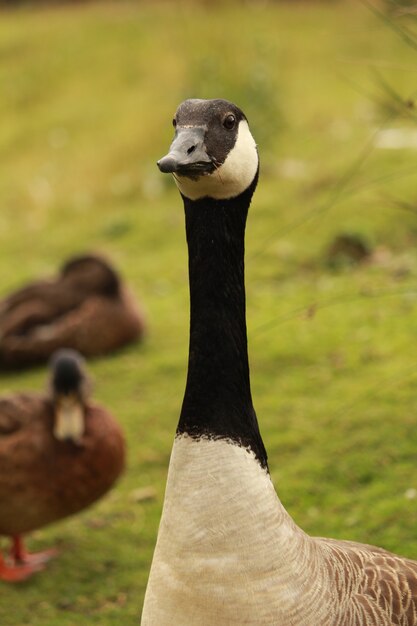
[[59, 453], [86, 308], [227, 551], [43, 479]]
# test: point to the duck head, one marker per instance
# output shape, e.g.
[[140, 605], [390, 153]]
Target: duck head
[[70, 384], [213, 153]]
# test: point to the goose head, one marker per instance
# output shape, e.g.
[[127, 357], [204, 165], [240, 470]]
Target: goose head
[[69, 385], [213, 153]]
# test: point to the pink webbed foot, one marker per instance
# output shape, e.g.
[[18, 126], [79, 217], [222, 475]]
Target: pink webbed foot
[[13, 573], [21, 557]]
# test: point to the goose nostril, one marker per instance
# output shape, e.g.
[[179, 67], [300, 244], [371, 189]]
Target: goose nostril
[[191, 150]]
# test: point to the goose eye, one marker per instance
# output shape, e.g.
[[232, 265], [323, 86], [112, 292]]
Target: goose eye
[[229, 122], [174, 122]]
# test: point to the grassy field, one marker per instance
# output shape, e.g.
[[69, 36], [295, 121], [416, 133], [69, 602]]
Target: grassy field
[[87, 98]]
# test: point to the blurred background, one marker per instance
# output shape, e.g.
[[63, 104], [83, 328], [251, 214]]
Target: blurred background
[[88, 92]]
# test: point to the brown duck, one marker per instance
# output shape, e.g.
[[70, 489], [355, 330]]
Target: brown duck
[[86, 307], [59, 453]]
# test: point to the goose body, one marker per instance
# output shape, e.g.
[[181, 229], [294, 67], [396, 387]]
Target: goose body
[[227, 550], [59, 453], [85, 308]]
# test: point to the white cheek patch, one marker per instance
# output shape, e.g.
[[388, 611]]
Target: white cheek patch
[[230, 179]]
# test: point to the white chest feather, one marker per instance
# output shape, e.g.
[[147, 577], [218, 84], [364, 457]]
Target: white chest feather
[[227, 551]]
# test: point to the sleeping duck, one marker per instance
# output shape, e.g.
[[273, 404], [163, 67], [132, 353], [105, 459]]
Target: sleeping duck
[[86, 307], [59, 453]]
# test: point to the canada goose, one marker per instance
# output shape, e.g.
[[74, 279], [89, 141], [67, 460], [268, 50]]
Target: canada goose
[[86, 307], [227, 550], [59, 453]]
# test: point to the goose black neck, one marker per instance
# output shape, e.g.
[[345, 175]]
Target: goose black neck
[[218, 402]]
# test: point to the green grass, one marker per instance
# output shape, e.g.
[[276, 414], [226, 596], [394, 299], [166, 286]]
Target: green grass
[[87, 98]]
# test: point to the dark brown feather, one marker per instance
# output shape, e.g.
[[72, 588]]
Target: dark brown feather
[[85, 308], [43, 479]]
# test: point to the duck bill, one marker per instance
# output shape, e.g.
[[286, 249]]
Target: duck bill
[[69, 420], [187, 155]]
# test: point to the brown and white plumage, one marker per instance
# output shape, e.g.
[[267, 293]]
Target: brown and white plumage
[[374, 587], [86, 308], [227, 552]]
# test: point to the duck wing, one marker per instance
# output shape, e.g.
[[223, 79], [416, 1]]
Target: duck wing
[[97, 326], [38, 304], [16, 411]]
